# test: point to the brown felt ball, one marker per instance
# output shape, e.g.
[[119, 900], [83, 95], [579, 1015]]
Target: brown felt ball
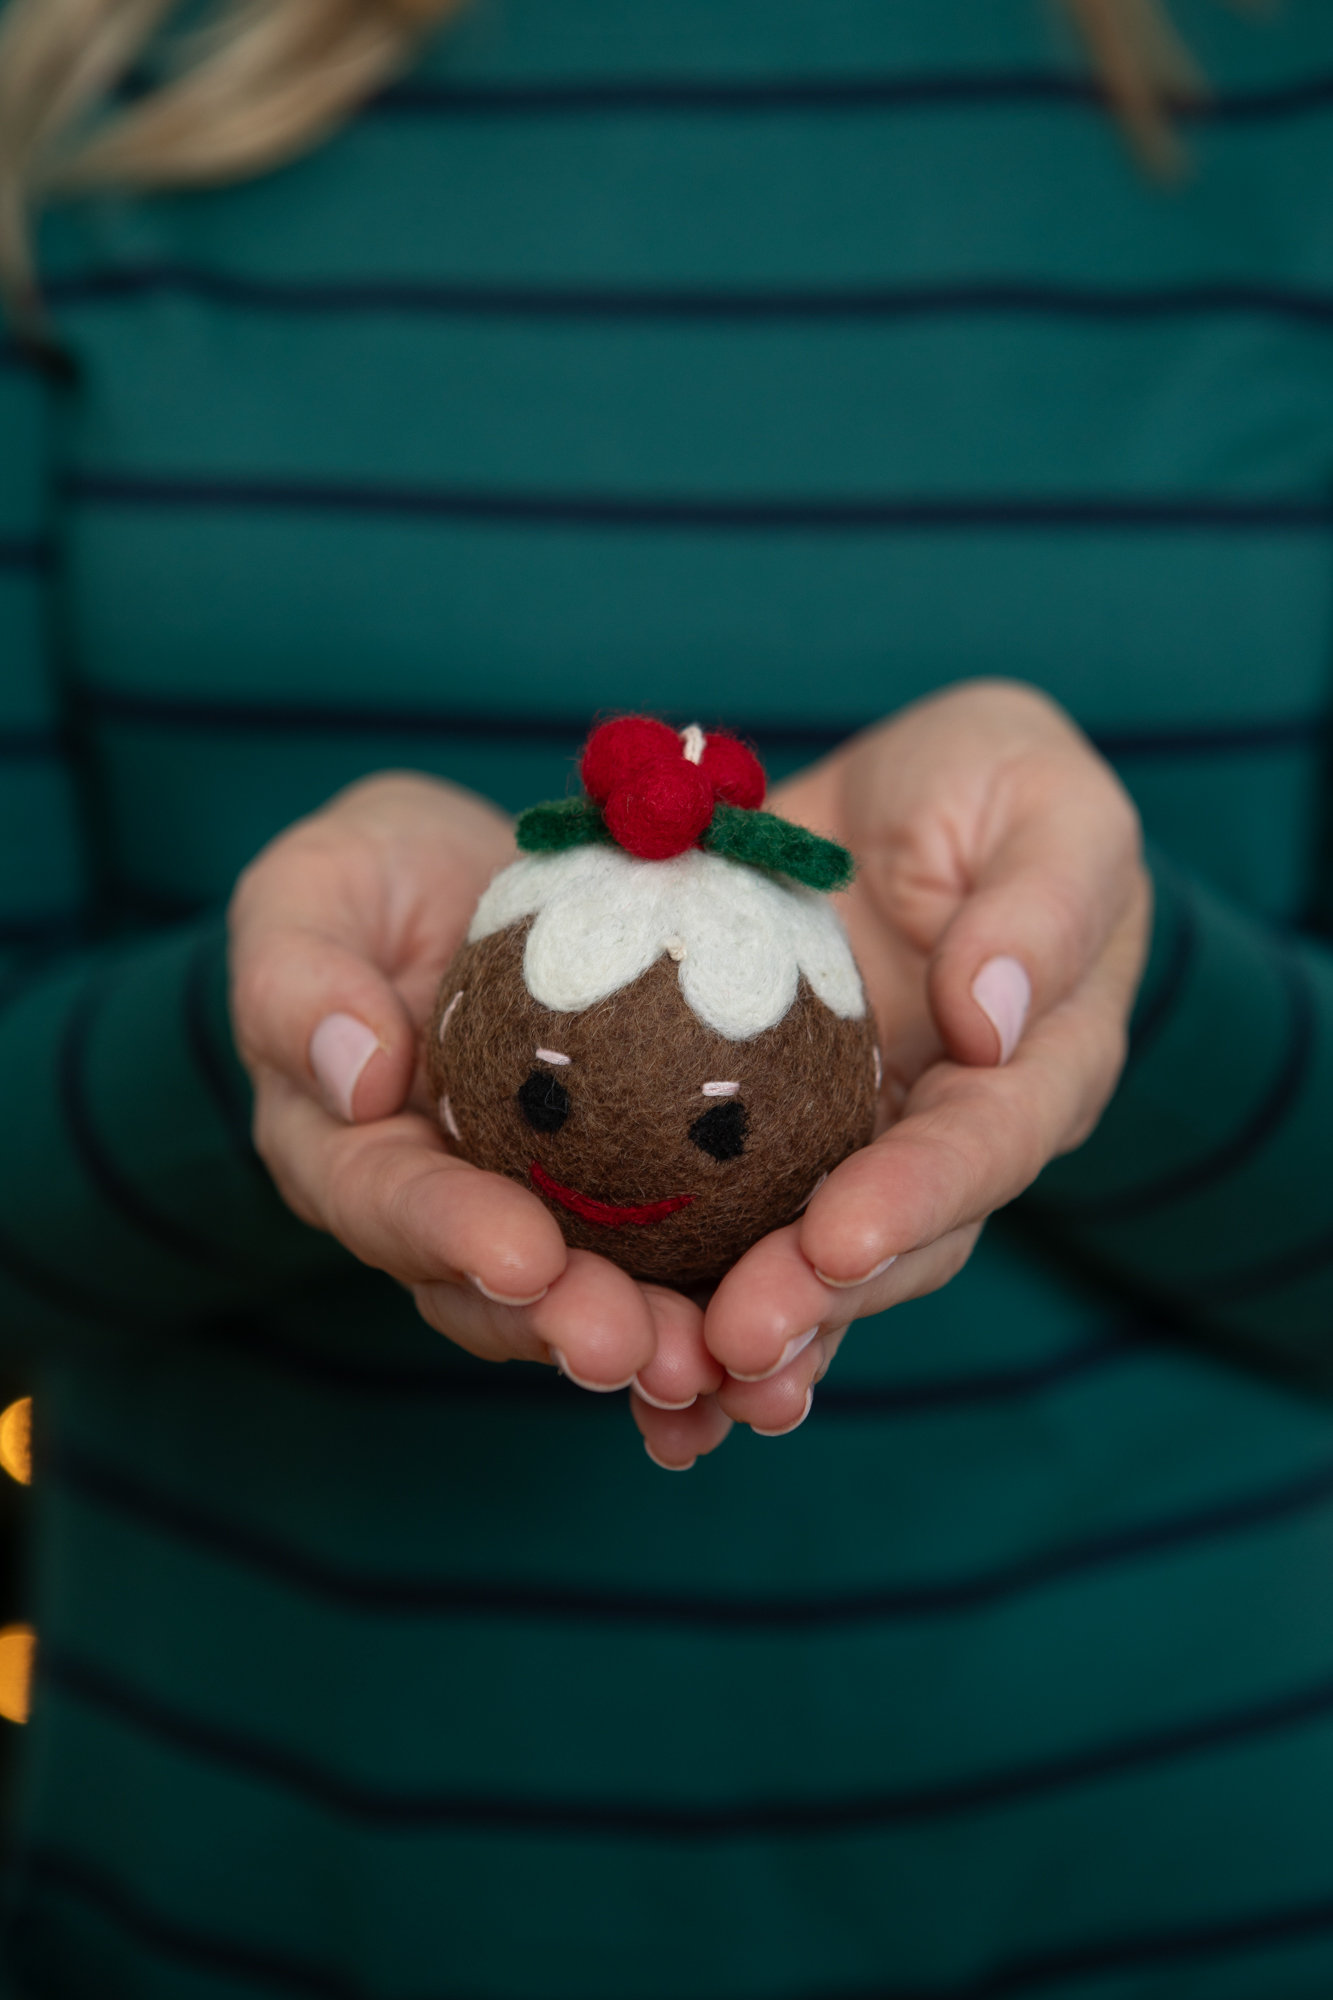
[[650, 1054]]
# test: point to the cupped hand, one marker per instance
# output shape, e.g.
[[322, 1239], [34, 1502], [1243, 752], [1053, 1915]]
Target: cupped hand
[[340, 932], [1000, 918]]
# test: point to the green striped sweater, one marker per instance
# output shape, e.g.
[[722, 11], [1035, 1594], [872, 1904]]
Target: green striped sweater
[[767, 365]]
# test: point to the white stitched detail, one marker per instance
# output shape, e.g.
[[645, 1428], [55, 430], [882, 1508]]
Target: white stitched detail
[[444, 1018], [550, 1055], [720, 1089], [692, 740], [448, 1120], [879, 1071]]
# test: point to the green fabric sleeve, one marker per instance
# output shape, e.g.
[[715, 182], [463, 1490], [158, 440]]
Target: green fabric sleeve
[[129, 1191], [130, 1195], [43, 877], [1207, 1189]]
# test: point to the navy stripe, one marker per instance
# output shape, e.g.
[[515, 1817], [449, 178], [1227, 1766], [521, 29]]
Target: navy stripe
[[23, 744], [179, 1942], [1258, 734], [1296, 732], [20, 977], [23, 553], [55, 1288], [528, 1383], [26, 356], [1290, 1267], [1007, 1979], [929, 91], [343, 719], [1278, 1101], [930, 514], [981, 1388], [116, 1190], [974, 297], [36, 355], [943, 1597], [662, 1819], [51, 927]]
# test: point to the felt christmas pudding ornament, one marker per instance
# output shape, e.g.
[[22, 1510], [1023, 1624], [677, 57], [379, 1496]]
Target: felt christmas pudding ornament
[[656, 1022]]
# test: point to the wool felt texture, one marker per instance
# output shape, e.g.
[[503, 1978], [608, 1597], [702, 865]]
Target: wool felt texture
[[765, 841], [657, 786], [631, 1157], [742, 938], [760, 839]]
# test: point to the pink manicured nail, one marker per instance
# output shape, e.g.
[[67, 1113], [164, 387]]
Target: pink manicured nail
[[788, 1428], [1003, 992], [662, 1462], [795, 1346], [598, 1388], [657, 1402], [506, 1298], [845, 1284], [340, 1048]]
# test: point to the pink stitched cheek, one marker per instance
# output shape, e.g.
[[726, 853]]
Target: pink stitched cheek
[[447, 1016]]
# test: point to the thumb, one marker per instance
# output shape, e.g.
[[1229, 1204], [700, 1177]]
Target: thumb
[[324, 1017], [1026, 938]]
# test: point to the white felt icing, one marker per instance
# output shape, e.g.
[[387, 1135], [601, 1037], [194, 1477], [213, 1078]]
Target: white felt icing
[[602, 918]]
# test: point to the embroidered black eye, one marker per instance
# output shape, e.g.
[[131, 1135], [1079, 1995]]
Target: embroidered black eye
[[543, 1101], [721, 1131]]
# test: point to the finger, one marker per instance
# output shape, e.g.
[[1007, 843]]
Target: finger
[[596, 1322], [470, 1320], [970, 1142], [400, 1202], [773, 1307], [781, 1404], [681, 1369], [312, 1009], [1042, 907], [674, 1439], [593, 1323]]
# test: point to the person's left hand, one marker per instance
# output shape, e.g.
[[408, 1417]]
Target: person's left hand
[[1000, 920]]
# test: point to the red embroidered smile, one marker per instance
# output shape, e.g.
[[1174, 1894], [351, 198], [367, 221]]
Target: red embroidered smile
[[607, 1213]]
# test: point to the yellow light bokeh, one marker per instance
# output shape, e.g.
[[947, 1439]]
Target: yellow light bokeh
[[16, 1440], [18, 1644]]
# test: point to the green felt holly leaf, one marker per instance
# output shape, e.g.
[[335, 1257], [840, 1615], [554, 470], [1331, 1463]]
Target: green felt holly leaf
[[759, 839]]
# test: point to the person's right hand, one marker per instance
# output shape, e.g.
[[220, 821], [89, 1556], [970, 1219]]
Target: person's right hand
[[340, 933]]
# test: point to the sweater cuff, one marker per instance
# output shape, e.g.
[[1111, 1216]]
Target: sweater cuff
[[130, 1193], [1205, 1188]]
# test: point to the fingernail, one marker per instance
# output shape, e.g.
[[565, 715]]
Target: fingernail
[[340, 1048], [662, 1462], [598, 1388], [845, 1284], [507, 1298], [787, 1429], [794, 1347], [1003, 992], [657, 1402]]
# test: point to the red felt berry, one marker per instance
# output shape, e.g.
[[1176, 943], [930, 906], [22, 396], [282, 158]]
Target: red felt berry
[[616, 751], [733, 770], [660, 810]]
